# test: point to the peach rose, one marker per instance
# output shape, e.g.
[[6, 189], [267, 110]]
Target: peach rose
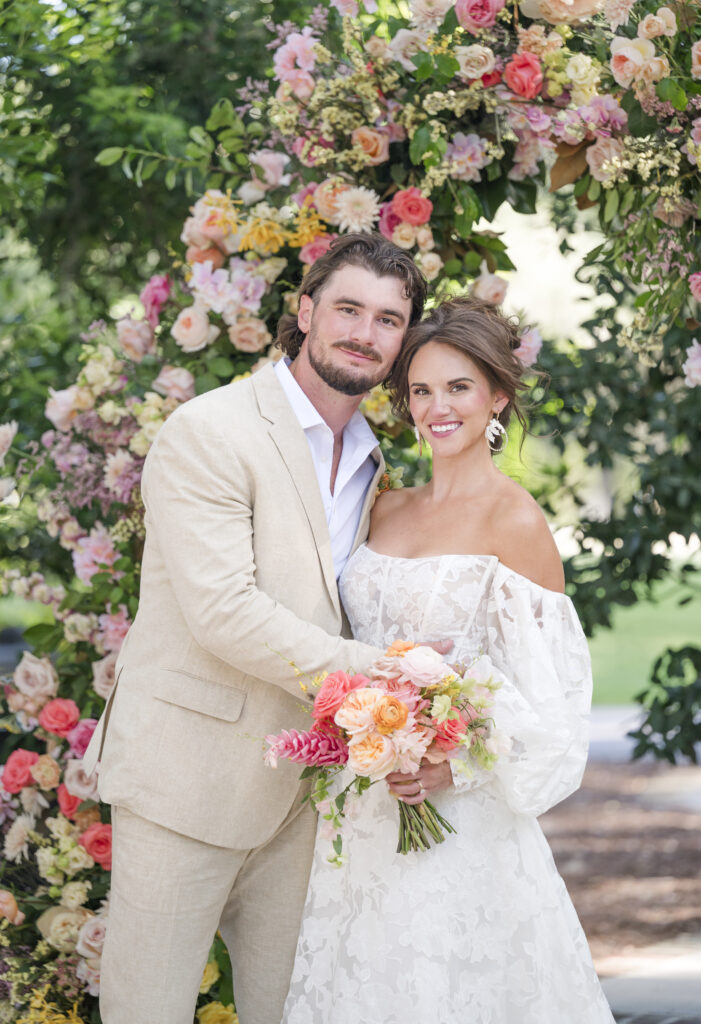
[[333, 691], [424, 239], [404, 235], [326, 198], [136, 338], [372, 755], [192, 330], [215, 256], [97, 842], [17, 771], [399, 647], [35, 678], [663, 23], [411, 206], [45, 772], [489, 287], [373, 143], [9, 908], [655, 70], [524, 75], [355, 715], [628, 57], [59, 716], [389, 714], [431, 264], [249, 335]]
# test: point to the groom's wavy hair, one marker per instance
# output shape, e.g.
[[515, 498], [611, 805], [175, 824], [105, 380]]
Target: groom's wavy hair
[[481, 332], [369, 251]]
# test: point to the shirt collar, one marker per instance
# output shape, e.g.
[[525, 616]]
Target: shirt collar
[[357, 431]]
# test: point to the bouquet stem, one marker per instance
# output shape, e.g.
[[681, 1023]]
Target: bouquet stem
[[415, 820]]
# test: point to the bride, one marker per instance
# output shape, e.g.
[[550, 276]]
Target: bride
[[479, 929]]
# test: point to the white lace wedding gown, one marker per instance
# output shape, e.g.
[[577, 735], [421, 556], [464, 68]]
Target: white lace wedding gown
[[480, 929]]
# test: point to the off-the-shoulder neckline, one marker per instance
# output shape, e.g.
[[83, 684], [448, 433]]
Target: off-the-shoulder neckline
[[474, 556]]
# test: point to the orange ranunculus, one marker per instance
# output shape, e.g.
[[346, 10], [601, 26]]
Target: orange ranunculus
[[399, 647], [390, 714]]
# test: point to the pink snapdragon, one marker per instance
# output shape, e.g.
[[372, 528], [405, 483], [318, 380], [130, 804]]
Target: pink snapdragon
[[466, 155], [308, 748], [154, 296]]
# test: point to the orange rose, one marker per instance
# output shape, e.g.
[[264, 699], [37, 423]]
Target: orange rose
[[399, 647], [390, 714], [374, 144], [355, 714]]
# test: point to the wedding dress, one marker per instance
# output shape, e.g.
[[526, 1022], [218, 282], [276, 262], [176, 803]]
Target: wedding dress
[[479, 929]]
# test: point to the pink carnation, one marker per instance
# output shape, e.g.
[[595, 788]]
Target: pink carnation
[[310, 748], [154, 296]]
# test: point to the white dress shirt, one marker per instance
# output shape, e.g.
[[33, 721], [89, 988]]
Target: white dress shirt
[[355, 471]]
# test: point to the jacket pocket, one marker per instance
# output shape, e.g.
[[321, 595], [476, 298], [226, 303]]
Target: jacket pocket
[[205, 696]]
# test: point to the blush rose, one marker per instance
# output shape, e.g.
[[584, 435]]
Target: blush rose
[[97, 842], [17, 771], [59, 716]]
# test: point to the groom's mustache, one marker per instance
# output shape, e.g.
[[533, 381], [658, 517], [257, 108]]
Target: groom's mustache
[[363, 350]]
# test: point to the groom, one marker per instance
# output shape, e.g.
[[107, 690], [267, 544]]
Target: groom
[[255, 494]]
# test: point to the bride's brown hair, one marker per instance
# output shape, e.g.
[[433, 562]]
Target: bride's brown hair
[[484, 334]]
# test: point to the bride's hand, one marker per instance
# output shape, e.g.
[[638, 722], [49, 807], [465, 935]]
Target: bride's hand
[[417, 787], [440, 646]]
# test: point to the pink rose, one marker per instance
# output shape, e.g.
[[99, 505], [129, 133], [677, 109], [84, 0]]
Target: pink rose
[[136, 338], [695, 285], [67, 802], [628, 57], [103, 675], [91, 937], [94, 553], [449, 732], [311, 252], [80, 735], [474, 15], [298, 52], [113, 626], [389, 220], [59, 716], [412, 207], [16, 773], [531, 344], [524, 75], [175, 382], [154, 296], [97, 842], [601, 157], [423, 666], [334, 690], [405, 691]]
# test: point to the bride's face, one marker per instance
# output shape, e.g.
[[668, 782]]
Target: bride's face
[[450, 398]]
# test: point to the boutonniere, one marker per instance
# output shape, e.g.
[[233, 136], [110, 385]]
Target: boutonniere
[[391, 479]]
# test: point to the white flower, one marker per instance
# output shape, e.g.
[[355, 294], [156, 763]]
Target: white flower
[[489, 287], [428, 14], [46, 863], [79, 627], [115, 464], [77, 859], [33, 802], [692, 366], [91, 938], [7, 436], [7, 486], [78, 783], [474, 60], [74, 894], [405, 45], [358, 209], [431, 264], [16, 846]]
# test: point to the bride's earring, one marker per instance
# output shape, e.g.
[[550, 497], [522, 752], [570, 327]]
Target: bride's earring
[[419, 440], [493, 429]]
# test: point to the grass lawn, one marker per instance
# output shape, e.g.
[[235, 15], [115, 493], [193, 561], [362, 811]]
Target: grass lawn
[[622, 657]]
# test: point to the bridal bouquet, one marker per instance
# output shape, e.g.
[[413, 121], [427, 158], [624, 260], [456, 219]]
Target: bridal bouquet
[[411, 707]]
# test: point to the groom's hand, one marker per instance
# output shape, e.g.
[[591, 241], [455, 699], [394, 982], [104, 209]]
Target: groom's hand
[[417, 787]]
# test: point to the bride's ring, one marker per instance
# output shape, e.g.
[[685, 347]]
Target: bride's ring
[[421, 791]]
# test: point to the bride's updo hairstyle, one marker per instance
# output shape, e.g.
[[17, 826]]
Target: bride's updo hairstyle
[[484, 334]]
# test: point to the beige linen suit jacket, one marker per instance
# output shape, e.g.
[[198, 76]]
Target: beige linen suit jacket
[[237, 582]]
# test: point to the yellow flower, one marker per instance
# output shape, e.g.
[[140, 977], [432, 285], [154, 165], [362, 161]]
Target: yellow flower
[[265, 236], [308, 225], [211, 974], [217, 1013], [42, 1012]]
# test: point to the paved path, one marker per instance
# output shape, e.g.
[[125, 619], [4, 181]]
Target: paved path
[[658, 984]]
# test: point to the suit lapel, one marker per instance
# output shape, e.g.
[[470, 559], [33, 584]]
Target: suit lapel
[[288, 436]]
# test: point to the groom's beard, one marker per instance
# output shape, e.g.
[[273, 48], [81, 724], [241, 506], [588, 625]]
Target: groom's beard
[[347, 381]]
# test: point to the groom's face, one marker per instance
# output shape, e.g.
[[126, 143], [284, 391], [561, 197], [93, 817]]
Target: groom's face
[[354, 328]]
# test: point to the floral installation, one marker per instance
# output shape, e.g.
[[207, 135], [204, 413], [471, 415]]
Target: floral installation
[[414, 119], [410, 707]]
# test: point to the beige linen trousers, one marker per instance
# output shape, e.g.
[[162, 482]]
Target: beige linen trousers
[[238, 596]]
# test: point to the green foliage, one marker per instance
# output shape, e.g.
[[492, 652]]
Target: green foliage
[[672, 727]]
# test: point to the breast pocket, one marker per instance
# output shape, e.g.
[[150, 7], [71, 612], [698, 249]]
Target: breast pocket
[[205, 696]]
